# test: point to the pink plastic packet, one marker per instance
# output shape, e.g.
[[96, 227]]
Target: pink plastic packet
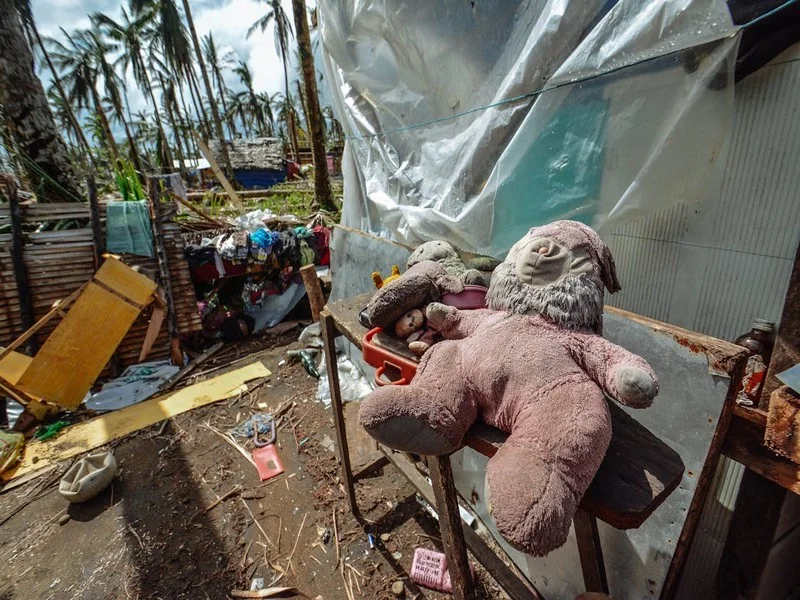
[[429, 569]]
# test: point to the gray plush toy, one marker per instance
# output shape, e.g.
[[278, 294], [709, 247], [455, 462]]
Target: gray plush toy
[[444, 254]]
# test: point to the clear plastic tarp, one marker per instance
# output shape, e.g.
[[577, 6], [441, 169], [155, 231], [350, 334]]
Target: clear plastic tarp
[[472, 121]]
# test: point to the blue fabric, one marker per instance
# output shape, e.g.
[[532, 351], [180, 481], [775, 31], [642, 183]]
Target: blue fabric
[[264, 238], [258, 178]]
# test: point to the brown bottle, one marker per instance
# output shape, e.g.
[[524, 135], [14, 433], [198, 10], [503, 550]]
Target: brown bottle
[[759, 342]]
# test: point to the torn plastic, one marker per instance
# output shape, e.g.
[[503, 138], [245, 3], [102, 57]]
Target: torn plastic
[[474, 121], [352, 383]]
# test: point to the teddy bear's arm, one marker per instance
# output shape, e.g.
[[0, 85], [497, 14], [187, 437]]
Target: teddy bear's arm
[[622, 375], [452, 323]]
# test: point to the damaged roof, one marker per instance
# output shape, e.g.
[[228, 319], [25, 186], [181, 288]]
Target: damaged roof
[[254, 153]]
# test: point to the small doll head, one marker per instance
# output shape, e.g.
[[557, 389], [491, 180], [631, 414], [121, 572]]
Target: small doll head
[[410, 322]]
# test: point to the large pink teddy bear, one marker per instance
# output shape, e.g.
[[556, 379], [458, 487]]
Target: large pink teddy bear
[[534, 364]]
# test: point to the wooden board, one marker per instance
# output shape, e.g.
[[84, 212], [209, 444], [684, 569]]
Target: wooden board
[[76, 352], [125, 281], [89, 435], [13, 365]]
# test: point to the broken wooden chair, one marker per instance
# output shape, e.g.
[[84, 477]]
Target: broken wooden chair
[[95, 319]]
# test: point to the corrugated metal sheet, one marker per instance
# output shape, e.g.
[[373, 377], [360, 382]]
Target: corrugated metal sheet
[[713, 272]]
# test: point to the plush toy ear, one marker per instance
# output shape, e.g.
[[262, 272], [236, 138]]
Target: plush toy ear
[[609, 271]]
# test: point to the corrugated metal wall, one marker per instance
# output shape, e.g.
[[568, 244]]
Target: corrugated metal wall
[[713, 271]]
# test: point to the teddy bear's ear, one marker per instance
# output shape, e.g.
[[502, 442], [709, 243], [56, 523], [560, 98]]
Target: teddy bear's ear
[[609, 269]]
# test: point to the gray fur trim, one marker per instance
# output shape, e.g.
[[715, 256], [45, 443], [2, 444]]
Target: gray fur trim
[[573, 302]]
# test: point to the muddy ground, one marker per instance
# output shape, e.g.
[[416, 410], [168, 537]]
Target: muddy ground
[[152, 535]]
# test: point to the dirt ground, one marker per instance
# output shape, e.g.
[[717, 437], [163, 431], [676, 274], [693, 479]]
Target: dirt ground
[[152, 535]]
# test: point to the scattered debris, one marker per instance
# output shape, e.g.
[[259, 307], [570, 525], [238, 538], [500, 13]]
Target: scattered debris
[[267, 462], [114, 425], [265, 593], [398, 589], [88, 477], [225, 496]]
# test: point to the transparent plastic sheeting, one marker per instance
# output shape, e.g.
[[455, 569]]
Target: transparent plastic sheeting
[[473, 121]]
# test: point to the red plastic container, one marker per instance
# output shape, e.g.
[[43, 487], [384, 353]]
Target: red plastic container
[[395, 364]]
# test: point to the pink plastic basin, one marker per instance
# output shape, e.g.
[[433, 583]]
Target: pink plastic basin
[[473, 296]]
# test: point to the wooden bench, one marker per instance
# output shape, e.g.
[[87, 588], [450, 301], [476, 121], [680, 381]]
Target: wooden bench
[[638, 474]]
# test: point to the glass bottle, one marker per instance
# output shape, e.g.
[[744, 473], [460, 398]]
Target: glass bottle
[[759, 342]]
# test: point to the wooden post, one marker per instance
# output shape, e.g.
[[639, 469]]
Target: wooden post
[[760, 501], [444, 489], [314, 290], [232, 195], [27, 317], [591, 555], [328, 337], [98, 242], [163, 268], [787, 343], [750, 536]]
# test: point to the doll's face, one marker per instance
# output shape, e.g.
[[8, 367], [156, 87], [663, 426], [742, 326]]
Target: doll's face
[[409, 323]]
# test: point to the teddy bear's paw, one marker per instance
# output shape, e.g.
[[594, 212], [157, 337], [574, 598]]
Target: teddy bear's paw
[[473, 277], [635, 386], [437, 313]]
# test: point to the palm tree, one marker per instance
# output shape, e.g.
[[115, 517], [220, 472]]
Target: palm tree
[[187, 10], [253, 104], [131, 34], [27, 114], [267, 104], [283, 29], [112, 83], [26, 14], [79, 60], [237, 103], [169, 101], [322, 184], [216, 63]]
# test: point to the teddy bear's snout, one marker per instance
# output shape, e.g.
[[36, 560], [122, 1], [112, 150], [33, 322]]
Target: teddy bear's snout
[[541, 262]]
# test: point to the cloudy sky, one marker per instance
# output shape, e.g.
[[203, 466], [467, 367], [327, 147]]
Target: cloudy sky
[[228, 20]]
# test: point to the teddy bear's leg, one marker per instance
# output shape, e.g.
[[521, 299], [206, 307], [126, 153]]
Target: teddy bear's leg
[[536, 480], [425, 417]]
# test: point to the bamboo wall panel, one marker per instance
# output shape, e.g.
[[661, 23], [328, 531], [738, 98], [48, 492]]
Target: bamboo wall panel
[[58, 262]]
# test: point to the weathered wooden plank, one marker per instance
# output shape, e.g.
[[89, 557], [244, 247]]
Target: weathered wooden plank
[[455, 549], [76, 352], [591, 555], [783, 423], [744, 443], [126, 282]]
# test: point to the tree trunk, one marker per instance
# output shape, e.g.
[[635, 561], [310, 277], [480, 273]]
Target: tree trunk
[[98, 107], [167, 156], [175, 130], [188, 139], [322, 183], [287, 107], [228, 118], [197, 102], [209, 92], [135, 156], [28, 115], [82, 141]]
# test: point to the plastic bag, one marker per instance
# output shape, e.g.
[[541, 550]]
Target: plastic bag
[[474, 121]]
